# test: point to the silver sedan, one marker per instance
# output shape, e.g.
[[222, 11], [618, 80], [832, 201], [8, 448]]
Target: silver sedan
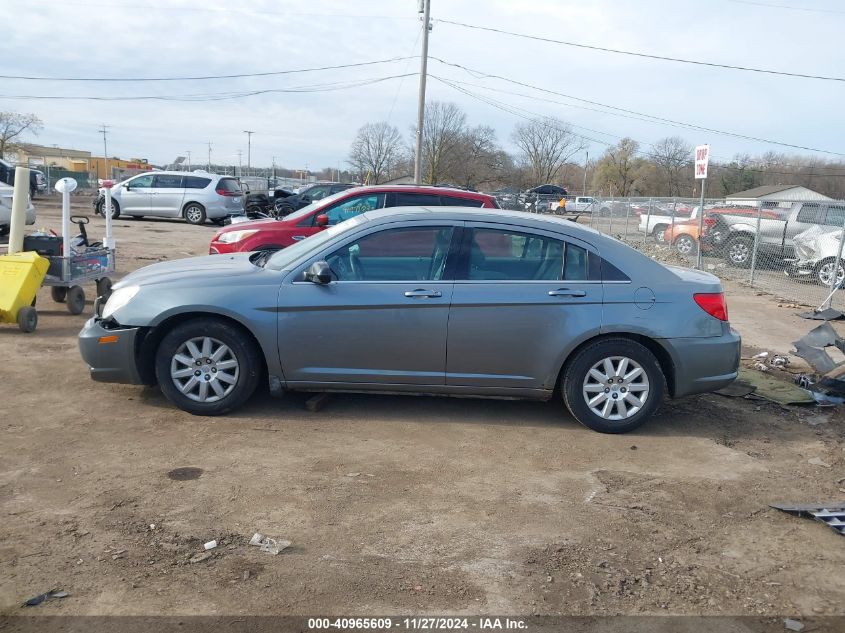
[[449, 301]]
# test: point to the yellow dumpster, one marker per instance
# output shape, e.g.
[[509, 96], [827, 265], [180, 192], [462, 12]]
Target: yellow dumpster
[[21, 276]]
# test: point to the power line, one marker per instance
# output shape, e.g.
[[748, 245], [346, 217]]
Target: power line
[[643, 55], [545, 121], [219, 96], [785, 6], [672, 122], [206, 77]]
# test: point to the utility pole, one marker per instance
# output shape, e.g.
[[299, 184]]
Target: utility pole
[[104, 129], [208, 166], [425, 9], [586, 167], [188, 152], [249, 134], [240, 163]]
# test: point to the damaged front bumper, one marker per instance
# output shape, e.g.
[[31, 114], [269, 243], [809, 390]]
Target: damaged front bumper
[[110, 352]]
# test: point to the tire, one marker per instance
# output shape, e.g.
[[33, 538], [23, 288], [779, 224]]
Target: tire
[[577, 381], [104, 289], [115, 208], [685, 245], [59, 293], [27, 319], [658, 232], [194, 213], [824, 272], [738, 251], [137, 217], [203, 397], [604, 212], [75, 300]]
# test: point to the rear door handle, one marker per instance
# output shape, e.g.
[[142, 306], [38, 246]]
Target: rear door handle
[[420, 293], [297, 238], [566, 292]]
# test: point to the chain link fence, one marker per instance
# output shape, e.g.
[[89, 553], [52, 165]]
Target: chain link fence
[[793, 250]]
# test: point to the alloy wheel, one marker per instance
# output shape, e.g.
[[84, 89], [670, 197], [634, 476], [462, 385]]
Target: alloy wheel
[[616, 388], [204, 369], [738, 252], [825, 274]]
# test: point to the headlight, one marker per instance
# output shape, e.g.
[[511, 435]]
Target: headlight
[[231, 237], [118, 299]]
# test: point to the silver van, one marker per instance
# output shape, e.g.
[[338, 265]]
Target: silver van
[[195, 196]]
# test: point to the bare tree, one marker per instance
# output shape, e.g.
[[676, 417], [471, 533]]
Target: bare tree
[[13, 125], [479, 159], [374, 151], [618, 168], [443, 129], [546, 144], [672, 155]]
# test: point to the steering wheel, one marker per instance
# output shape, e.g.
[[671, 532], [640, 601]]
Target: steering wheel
[[355, 265]]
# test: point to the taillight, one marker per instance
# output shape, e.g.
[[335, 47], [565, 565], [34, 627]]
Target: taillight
[[713, 303], [227, 193]]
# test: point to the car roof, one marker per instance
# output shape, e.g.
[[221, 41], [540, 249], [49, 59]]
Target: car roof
[[431, 189], [500, 216]]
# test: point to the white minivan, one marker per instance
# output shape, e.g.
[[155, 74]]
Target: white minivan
[[195, 196]]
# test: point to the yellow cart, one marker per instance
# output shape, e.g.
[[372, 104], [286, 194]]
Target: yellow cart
[[21, 275]]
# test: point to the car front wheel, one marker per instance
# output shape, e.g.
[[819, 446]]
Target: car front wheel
[[824, 273], [613, 385], [207, 366], [115, 208]]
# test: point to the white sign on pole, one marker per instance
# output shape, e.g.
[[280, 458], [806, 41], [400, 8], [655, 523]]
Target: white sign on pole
[[702, 159]]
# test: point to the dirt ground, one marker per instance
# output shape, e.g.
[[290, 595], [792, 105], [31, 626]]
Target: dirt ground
[[399, 505]]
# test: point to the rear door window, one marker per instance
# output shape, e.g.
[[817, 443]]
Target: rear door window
[[835, 216], [196, 182], [808, 213], [167, 181], [450, 201], [510, 256], [410, 199]]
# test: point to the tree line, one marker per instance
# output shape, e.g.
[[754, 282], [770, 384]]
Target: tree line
[[548, 151]]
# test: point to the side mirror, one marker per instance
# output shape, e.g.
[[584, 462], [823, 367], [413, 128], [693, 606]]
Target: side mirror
[[319, 273], [126, 186], [321, 220]]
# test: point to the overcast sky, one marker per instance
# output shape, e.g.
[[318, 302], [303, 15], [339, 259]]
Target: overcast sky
[[168, 38]]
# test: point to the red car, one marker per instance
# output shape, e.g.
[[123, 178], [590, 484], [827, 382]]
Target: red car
[[275, 234]]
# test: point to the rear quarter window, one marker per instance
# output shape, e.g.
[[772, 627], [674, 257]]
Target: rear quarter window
[[453, 201], [196, 182], [229, 184]]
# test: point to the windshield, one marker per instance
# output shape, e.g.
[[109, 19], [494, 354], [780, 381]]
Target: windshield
[[314, 205], [284, 258]]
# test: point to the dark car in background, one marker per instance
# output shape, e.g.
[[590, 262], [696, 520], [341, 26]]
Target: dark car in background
[[285, 205], [284, 231], [37, 180]]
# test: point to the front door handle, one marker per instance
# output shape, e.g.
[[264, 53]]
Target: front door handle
[[420, 293], [297, 238], [566, 292]]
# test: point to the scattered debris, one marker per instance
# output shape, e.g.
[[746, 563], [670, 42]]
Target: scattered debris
[[817, 358], [760, 355], [793, 625], [186, 473], [49, 595], [833, 514], [246, 575], [771, 388], [760, 366], [198, 558], [210, 545], [817, 461], [352, 474], [737, 389], [779, 361], [803, 381], [317, 402], [269, 545]]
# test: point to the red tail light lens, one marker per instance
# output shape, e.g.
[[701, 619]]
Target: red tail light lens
[[225, 192], [713, 303]]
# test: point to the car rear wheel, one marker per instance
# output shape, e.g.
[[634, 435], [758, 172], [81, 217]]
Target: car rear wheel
[[658, 233], [685, 245], [194, 213], [613, 385], [824, 272], [207, 367], [739, 251]]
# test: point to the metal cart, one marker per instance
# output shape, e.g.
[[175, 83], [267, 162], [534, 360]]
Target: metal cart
[[71, 269]]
